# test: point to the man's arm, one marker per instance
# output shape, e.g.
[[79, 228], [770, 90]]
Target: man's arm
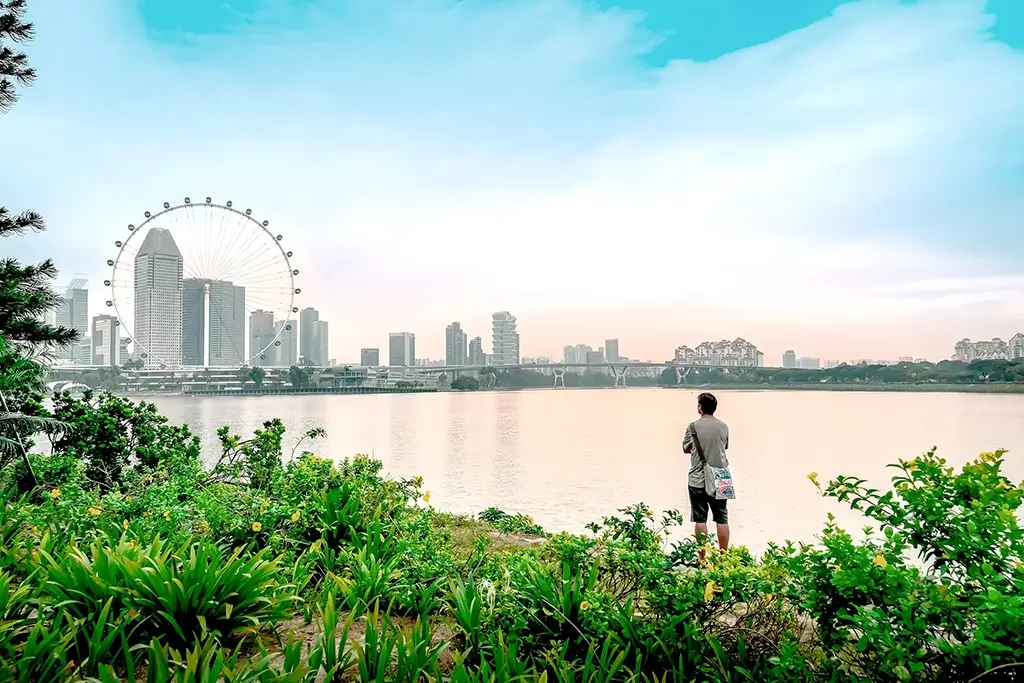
[[726, 438], [688, 439]]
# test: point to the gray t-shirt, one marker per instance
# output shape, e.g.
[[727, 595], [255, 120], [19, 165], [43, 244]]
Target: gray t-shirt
[[714, 438]]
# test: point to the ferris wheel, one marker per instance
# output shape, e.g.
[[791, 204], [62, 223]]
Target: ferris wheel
[[203, 284]]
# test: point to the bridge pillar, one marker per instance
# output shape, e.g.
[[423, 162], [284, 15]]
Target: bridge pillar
[[559, 374], [681, 373], [620, 375]]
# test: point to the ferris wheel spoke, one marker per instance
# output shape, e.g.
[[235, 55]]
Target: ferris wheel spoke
[[243, 255], [254, 269], [220, 263], [219, 244]]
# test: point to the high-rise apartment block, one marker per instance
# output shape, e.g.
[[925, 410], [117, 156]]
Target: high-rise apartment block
[[476, 352], [105, 341], [789, 359], [456, 345], [997, 349], [73, 313], [611, 350], [369, 358], [572, 355], [504, 338], [808, 363], [261, 338], [158, 312], [402, 349]]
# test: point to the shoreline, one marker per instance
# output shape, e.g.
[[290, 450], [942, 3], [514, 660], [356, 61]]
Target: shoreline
[[993, 388]]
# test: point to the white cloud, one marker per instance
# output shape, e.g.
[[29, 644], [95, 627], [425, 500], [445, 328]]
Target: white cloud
[[429, 164]]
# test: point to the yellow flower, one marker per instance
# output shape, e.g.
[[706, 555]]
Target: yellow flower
[[880, 561], [256, 526], [426, 497], [167, 514], [813, 477], [125, 524], [296, 515], [584, 606], [127, 499], [95, 511], [54, 494], [709, 591]]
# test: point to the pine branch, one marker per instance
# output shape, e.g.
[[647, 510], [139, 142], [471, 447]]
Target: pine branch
[[20, 223], [14, 68]]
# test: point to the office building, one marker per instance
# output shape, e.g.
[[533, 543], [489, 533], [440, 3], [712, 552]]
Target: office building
[[402, 349], [369, 358], [456, 345], [321, 354], [476, 355], [808, 363], [594, 357], [213, 317], [73, 313], [307, 333], [261, 337], [611, 350], [286, 348], [504, 339], [105, 341], [158, 278], [789, 359]]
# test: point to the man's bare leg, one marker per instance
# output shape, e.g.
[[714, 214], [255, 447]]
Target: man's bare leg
[[723, 536], [701, 533]]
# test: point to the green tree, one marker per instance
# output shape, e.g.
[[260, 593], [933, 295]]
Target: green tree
[[257, 374], [465, 383]]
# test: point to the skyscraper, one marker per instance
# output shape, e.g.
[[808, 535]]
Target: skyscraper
[[402, 349], [227, 324], [455, 342], [307, 335], [73, 313], [789, 359], [158, 276], [369, 358], [261, 337], [476, 352], [504, 338], [287, 353], [321, 355], [193, 322], [106, 341], [611, 350], [222, 304]]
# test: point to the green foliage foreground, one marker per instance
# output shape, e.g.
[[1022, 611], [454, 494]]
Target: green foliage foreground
[[136, 561]]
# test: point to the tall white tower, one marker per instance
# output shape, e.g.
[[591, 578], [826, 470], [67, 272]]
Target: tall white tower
[[504, 339]]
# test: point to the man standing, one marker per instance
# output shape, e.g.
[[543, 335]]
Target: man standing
[[713, 435]]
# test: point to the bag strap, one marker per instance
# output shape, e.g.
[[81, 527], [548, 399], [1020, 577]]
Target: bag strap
[[696, 442]]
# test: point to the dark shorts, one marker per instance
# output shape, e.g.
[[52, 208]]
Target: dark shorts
[[701, 502]]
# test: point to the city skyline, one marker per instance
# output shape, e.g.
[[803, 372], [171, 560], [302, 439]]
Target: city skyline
[[804, 164]]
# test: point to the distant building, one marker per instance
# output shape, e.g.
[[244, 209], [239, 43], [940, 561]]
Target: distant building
[[476, 352], [73, 313], [221, 304], [286, 348], [965, 350], [789, 359], [572, 355], [737, 353], [1016, 345], [369, 358], [808, 363], [611, 350], [321, 344], [158, 278], [593, 357], [105, 341], [402, 349], [455, 345], [504, 338], [307, 334], [261, 337]]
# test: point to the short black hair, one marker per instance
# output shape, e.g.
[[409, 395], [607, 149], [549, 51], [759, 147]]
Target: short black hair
[[708, 403]]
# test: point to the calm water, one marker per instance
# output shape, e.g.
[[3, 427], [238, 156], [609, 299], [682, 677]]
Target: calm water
[[568, 457]]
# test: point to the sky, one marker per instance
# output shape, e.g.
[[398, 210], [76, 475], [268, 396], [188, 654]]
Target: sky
[[842, 179]]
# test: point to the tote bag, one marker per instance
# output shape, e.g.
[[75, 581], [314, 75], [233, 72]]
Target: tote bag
[[721, 477]]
